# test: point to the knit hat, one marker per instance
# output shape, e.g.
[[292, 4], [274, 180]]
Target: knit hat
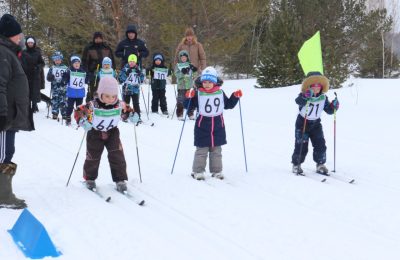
[[189, 32], [132, 57], [183, 53], [107, 60], [30, 39], [209, 74], [158, 57], [9, 27], [74, 59], [57, 56], [107, 85], [313, 78], [97, 35]]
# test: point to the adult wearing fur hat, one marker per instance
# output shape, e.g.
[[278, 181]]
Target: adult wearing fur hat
[[197, 56], [14, 106], [312, 101], [33, 65], [131, 45], [92, 57]]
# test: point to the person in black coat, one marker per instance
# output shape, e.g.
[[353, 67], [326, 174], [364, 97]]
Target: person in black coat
[[33, 65], [131, 45], [92, 59], [14, 106], [158, 74]]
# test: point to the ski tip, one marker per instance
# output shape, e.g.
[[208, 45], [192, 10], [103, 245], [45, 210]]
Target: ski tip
[[323, 180], [108, 199], [352, 181], [152, 124], [141, 203]]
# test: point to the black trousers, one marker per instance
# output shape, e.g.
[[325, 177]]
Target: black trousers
[[158, 98]]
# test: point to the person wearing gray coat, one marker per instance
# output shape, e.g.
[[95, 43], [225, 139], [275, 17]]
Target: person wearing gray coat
[[15, 113]]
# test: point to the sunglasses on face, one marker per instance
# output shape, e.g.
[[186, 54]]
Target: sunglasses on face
[[316, 85]]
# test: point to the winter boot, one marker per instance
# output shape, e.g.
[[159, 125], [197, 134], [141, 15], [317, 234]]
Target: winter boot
[[165, 113], [321, 169], [90, 184], [68, 121], [7, 197], [198, 176], [55, 117], [217, 175], [297, 169], [121, 186]]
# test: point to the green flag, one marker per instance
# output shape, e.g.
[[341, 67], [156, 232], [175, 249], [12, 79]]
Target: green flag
[[310, 55]]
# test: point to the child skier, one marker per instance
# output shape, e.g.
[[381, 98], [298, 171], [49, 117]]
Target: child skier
[[158, 75], [131, 77], [209, 131], [184, 72], [312, 100], [58, 90], [100, 118], [75, 78], [106, 69]]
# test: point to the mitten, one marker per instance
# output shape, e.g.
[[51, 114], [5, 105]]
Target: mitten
[[185, 70], [335, 104], [134, 117], [3, 122], [129, 71], [308, 93], [238, 93], [84, 123], [190, 93], [137, 71]]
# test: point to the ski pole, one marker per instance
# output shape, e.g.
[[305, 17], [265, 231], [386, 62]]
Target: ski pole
[[94, 84], [145, 106], [244, 147], [137, 154], [73, 166], [48, 107], [302, 137], [180, 137], [334, 138], [176, 103], [148, 98]]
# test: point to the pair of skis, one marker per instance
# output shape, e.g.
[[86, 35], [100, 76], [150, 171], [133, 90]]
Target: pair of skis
[[323, 178], [127, 194]]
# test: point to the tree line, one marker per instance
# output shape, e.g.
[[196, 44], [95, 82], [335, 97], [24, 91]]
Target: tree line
[[245, 37]]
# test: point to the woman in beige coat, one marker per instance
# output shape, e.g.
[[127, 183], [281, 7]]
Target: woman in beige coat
[[197, 56]]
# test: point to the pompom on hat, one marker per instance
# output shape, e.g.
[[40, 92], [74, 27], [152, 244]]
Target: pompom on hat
[[74, 59], [9, 27], [315, 77], [108, 85]]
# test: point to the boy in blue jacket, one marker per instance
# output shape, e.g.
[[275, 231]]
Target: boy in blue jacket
[[209, 131], [75, 78]]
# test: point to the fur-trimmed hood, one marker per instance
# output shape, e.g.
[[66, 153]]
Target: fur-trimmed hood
[[315, 77]]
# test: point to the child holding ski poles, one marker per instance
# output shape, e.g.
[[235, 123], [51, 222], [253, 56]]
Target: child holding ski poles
[[184, 72], [312, 101], [131, 77], [209, 131], [100, 118], [158, 75], [58, 89]]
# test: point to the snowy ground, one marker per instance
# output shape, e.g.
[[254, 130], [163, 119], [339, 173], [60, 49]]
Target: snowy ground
[[265, 213]]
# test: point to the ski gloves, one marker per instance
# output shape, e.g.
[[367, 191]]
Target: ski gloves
[[238, 93], [335, 104], [191, 92], [134, 117], [187, 70], [308, 93]]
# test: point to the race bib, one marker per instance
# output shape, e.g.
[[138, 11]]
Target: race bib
[[105, 119], [315, 108], [182, 65], [211, 104], [104, 74], [160, 73], [77, 80], [58, 72], [133, 79]]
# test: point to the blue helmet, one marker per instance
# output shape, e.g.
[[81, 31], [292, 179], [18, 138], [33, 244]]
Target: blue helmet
[[57, 55]]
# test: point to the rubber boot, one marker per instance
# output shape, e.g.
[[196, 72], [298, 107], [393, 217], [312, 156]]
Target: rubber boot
[[7, 197]]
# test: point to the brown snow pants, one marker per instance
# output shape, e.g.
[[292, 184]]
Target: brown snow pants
[[95, 143]]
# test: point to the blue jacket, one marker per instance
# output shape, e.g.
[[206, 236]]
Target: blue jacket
[[210, 131], [75, 92]]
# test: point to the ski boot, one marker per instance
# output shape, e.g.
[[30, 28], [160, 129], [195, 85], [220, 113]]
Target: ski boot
[[321, 169], [55, 117], [121, 186], [217, 175], [90, 184], [7, 197], [297, 169], [68, 121], [198, 176], [165, 113]]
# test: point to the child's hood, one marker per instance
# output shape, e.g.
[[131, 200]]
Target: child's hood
[[184, 53]]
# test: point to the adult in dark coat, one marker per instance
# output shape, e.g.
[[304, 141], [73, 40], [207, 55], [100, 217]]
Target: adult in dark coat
[[92, 57], [131, 45], [33, 64], [14, 106]]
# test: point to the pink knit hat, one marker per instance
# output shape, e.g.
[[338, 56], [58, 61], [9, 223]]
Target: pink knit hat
[[107, 85]]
